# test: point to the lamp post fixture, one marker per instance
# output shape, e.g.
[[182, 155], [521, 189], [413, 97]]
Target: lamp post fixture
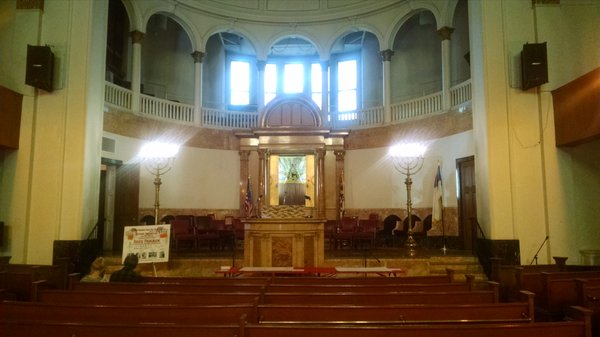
[[408, 160], [158, 159]]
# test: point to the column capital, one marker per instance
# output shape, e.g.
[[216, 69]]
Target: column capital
[[261, 65], [445, 33], [320, 153], [387, 55], [198, 56], [244, 154], [324, 65], [136, 36], [262, 153], [339, 154]]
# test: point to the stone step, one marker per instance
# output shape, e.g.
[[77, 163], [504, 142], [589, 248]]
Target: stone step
[[462, 265]]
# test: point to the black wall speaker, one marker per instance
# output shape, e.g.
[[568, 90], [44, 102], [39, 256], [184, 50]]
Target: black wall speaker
[[40, 67], [534, 65]]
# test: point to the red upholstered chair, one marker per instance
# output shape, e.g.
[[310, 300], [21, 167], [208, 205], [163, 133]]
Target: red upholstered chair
[[366, 232], [238, 228], [182, 230], [345, 232], [206, 232], [330, 229], [226, 233]]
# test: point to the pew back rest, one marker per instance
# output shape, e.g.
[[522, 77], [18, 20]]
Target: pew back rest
[[353, 288], [397, 314], [176, 314], [180, 287], [144, 297], [454, 297]]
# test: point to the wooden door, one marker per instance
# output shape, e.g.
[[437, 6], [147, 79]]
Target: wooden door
[[467, 202], [127, 192]]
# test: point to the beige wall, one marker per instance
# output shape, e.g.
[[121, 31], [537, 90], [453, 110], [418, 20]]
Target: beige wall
[[527, 188], [50, 185]]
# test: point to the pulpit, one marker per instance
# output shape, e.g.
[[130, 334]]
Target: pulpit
[[283, 242]]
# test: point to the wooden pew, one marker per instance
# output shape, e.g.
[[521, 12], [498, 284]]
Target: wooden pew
[[559, 291], [180, 287], [447, 278], [380, 298], [29, 328], [588, 296], [513, 278], [575, 328], [208, 280], [396, 314], [174, 314], [353, 288], [534, 281], [399, 314], [579, 327], [55, 275], [74, 279], [18, 286], [144, 297]]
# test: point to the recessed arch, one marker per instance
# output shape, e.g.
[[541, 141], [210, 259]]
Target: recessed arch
[[291, 111]]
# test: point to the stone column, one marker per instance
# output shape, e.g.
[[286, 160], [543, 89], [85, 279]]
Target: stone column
[[324, 91], [244, 172], [445, 33], [387, 90], [262, 172], [198, 56], [320, 183], [136, 69], [339, 183]]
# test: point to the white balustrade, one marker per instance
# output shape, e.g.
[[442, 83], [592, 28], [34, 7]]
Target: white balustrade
[[117, 96], [223, 119], [460, 93]]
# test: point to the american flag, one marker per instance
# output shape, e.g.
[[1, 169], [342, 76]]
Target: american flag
[[248, 206]]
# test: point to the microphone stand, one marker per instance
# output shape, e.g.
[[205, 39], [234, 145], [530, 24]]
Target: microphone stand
[[535, 257]]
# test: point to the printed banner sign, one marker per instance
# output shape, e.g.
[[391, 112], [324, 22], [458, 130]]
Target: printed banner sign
[[149, 243]]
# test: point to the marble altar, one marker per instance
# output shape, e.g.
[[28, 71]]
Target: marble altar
[[284, 242]]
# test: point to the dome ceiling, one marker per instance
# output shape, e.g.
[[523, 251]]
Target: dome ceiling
[[287, 11]]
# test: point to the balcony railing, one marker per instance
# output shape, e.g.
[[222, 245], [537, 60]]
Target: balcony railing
[[122, 98]]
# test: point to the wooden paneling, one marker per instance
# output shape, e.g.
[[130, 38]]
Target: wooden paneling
[[10, 118], [577, 110]]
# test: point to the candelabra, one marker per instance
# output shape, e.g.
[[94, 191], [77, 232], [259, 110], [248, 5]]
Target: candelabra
[[158, 159], [408, 160]]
